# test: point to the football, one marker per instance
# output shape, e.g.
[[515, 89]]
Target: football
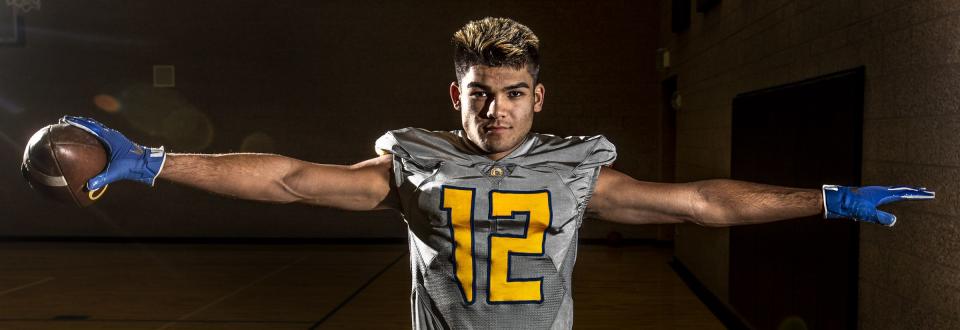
[[58, 161]]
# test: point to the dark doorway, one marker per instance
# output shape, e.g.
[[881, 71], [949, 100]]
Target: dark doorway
[[668, 144], [668, 130], [803, 134]]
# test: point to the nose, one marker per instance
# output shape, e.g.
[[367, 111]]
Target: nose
[[496, 108]]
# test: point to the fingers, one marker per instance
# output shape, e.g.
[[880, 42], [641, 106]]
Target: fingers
[[872, 214], [885, 218], [895, 194], [96, 182], [110, 138], [99, 181], [914, 193], [79, 119], [86, 124]]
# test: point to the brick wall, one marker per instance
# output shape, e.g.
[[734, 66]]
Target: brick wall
[[911, 51]]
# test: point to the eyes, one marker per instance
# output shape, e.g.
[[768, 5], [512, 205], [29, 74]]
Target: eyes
[[513, 94]]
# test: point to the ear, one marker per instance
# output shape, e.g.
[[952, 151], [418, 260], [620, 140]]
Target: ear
[[455, 95], [539, 93]]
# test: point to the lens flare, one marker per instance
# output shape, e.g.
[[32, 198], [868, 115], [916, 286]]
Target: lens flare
[[168, 115], [106, 103]]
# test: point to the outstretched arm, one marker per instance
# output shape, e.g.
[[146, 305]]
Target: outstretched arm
[[262, 177], [721, 203], [712, 203], [275, 178]]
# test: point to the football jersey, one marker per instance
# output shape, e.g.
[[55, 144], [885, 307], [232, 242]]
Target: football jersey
[[493, 243]]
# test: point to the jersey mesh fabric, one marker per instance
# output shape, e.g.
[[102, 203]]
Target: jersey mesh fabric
[[425, 162]]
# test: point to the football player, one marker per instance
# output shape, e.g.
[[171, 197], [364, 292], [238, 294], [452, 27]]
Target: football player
[[492, 210]]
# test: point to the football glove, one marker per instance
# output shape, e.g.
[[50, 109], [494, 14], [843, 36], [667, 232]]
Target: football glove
[[860, 203], [125, 160]]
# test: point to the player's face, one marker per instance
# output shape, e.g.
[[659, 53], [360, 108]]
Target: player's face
[[496, 107]]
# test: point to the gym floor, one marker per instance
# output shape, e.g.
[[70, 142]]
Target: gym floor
[[82, 285]]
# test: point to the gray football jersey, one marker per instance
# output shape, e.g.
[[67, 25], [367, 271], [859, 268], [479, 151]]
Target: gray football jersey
[[493, 243]]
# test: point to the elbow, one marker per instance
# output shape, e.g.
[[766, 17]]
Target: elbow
[[713, 218], [707, 211], [714, 222], [286, 194], [285, 191]]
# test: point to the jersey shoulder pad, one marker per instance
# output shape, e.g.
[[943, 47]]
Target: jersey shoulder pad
[[573, 152], [423, 147]]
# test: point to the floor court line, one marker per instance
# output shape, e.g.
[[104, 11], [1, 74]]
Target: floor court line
[[231, 294], [623, 286], [357, 292], [41, 281]]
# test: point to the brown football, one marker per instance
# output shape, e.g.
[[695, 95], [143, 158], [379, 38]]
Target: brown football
[[58, 161]]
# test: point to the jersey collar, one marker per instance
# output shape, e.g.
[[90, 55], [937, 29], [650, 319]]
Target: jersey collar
[[528, 143]]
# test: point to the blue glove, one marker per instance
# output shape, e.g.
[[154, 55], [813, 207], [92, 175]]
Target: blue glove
[[127, 160], [861, 203]]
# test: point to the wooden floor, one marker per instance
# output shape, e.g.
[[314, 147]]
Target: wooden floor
[[46, 285]]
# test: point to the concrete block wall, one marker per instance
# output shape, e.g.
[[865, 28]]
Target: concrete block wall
[[911, 51]]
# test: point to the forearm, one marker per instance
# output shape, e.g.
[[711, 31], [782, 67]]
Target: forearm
[[280, 179], [729, 203], [247, 176]]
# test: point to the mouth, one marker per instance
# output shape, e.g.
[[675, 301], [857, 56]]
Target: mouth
[[496, 129]]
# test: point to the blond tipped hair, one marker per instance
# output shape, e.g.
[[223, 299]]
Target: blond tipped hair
[[496, 42]]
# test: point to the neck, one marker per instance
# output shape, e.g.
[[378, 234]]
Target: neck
[[500, 155], [493, 156]]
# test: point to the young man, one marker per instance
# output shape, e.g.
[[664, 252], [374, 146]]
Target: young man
[[493, 210]]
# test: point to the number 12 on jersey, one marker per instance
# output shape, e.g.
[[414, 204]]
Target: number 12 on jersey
[[459, 203]]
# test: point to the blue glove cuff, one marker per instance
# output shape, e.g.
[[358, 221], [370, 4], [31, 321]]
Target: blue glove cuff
[[832, 201], [154, 158]]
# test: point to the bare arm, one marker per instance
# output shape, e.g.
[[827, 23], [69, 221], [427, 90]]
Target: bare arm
[[280, 179], [712, 203]]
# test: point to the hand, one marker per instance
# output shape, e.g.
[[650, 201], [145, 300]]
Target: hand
[[861, 203], [126, 160]]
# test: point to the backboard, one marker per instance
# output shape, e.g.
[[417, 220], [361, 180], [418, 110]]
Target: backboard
[[12, 31], [11, 27]]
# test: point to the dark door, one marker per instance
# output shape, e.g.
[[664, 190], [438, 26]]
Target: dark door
[[803, 134], [668, 129]]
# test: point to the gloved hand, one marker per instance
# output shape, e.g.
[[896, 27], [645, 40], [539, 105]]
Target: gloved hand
[[126, 160], [861, 203]]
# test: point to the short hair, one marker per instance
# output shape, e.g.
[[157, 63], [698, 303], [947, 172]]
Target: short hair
[[496, 42]]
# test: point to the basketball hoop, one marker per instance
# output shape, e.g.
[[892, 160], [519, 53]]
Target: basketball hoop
[[24, 6]]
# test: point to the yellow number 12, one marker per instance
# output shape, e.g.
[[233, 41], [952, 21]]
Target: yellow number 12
[[459, 205]]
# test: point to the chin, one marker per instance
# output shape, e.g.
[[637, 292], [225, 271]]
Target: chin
[[499, 145], [496, 143]]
